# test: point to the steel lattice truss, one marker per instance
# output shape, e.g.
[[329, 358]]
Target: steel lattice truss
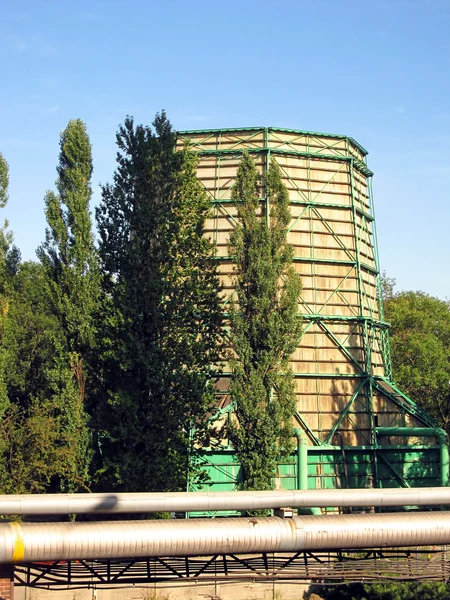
[[319, 567], [342, 368]]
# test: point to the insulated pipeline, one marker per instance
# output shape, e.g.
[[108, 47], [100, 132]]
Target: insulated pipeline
[[28, 542], [52, 504]]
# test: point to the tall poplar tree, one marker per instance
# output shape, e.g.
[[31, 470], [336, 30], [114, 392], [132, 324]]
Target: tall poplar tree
[[5, 242], [4, 181], [9, 253], [36, 448], [164, 316], [9, 261], [71, 265], [264, 326], [69, 253]]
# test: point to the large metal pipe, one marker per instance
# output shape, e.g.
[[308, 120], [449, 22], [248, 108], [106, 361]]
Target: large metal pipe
[[302, 469], [302, 460], [28, 542], [143, 502]]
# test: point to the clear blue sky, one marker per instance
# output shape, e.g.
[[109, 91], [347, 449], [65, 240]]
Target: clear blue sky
[[377, 70]]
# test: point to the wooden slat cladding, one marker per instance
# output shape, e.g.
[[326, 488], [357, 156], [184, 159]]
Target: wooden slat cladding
[[332, 234]]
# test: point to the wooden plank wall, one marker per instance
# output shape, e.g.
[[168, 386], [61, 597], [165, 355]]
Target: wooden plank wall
[[331, 232]]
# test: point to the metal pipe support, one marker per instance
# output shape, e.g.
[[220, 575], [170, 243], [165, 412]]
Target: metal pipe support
[[302, 468]]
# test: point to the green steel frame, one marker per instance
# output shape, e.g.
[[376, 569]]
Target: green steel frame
[[328, 464]]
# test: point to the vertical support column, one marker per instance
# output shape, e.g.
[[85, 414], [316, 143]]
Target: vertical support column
[[302, 460], [384, 333], [357, 240], [302, 469], [6, 582], [266, 168]]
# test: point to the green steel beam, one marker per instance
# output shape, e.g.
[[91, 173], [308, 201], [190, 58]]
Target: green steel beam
[[338, 293], [404, 402], [338, 318], [241, 141], [336, 237], [219, 203], [369, 268], [357, 250], [281, 129], [306, 204], [315, 260], [318, 375], [220, 412], [386, 350], [325, 184], [399, 477], [307, 429], [345, 411], [266, 166], [300, 216], [342, 348], [373, 330], [362, 168]]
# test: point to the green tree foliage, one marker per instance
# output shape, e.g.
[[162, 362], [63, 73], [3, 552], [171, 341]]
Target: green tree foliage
[[264, 326], [70, 261], [9, 259], [413, 590], [161, 311], [68, 253], [44, 427], [387, 287], [420, 349], [4, 300], [4, 181], [40, 433], [9, 254]]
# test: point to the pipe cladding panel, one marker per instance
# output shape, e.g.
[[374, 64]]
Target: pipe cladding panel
[[376, 531], [29, 542], [52, 504]]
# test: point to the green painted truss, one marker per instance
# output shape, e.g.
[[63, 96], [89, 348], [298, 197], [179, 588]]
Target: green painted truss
[[332, 463]]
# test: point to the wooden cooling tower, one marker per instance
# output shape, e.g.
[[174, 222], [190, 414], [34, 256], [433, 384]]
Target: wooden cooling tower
[[342, 370]]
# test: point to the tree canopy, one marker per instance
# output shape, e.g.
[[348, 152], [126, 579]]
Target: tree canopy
[[264, 326], [68, 253], [4, 181], [41, 428], [162, 309], [109, 356], [408, 590], [420, 349]]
